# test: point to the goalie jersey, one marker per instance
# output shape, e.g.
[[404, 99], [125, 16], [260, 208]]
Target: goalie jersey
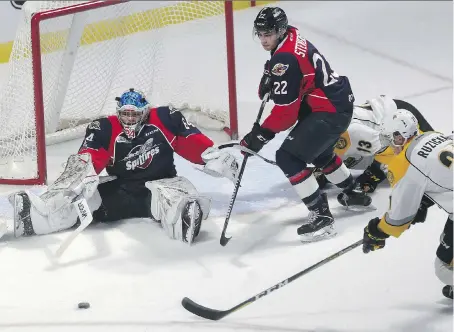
[[425, 166], [150, 155]]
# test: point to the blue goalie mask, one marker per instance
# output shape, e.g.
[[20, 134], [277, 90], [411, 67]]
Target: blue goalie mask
[[132, 110]]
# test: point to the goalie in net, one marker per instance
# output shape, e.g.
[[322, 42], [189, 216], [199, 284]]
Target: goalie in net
[[136, 147]]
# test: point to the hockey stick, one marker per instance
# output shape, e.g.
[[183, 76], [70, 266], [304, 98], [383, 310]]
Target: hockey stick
[[214, 314], [245, 149], [85, 218], [224, 240]]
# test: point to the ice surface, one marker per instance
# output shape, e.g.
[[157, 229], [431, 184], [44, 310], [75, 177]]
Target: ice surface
[[135, 277]]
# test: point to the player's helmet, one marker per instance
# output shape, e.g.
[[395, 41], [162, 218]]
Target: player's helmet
[[271, 19], [397, 128], [132, 110]]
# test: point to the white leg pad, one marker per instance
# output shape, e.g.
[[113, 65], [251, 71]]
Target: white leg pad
[[47, 221], [168, 199]]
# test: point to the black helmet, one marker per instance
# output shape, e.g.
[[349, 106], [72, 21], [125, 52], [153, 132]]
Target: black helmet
[[271, 18]]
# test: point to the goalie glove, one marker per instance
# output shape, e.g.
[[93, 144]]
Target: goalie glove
[[220, 163]]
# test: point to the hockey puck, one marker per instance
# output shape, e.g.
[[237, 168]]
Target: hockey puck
[[83, 305]]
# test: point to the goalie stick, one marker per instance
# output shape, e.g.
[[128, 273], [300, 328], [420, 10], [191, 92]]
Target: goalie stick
[[85, 217], [214, 314], [224, 239], [245, 149]]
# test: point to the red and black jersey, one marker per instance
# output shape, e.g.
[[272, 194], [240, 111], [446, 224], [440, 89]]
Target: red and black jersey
[[149, 156], [303, 82]]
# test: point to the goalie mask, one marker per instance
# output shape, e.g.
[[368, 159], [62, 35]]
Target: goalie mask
[[132, 110]]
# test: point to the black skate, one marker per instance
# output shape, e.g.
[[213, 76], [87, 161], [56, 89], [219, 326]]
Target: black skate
[[22, 221], [354, 197], [192, 221], [447, 291], [320, 224]]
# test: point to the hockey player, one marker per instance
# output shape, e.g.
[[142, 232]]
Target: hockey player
[[360, 147], [421, 175], [308, 94], [136, 147]]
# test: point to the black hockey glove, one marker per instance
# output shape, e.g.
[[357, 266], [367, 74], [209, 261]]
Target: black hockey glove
[[371, 178], [373, 238], [265, 82], [257, 138], [422, 211]]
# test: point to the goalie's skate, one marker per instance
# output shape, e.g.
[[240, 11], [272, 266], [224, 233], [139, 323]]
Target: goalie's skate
[[320, 224], [192, 221], [22, 221]]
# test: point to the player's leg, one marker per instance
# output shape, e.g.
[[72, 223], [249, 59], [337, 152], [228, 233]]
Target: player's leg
[[123, 199], [53, 210], [308, 140], [178, 206], [444, 258]]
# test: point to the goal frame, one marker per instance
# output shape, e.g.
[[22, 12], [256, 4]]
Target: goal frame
[[39, 17]]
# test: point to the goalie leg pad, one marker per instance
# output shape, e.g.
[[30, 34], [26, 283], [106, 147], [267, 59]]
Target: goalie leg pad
[[179, 207], [57, 220]]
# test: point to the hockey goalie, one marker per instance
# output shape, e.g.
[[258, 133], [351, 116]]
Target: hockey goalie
[[136, 148]]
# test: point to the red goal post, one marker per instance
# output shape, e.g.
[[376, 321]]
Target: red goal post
[[69, 63]]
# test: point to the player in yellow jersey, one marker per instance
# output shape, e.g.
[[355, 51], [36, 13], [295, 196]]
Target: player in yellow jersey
[[421, 175], [360, 146]]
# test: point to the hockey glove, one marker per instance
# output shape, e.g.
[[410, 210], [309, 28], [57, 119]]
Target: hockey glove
[[320, 177], [371, 178], [257, 138], [422, 211], [373, 238], [265, 82]]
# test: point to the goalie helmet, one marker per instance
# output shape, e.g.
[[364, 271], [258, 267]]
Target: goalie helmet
[[271, 19], [397, 128], [132, 110]]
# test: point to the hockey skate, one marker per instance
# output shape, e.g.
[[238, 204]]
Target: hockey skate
[[192, 221], [354, 197], [320, 224], [22, 221], [447, 291]]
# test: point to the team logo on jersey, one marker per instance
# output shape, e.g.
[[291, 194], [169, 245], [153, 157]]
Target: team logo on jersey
[[279, 69], [94, 125], [341, 143], [141, 156], [390, 177]]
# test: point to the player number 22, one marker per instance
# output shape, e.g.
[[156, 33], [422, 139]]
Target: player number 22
[[280, 88]]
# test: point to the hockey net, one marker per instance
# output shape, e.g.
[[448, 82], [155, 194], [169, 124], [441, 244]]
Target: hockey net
[[70, 59]]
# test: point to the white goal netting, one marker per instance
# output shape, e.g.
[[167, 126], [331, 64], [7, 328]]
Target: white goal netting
[[174, 51]]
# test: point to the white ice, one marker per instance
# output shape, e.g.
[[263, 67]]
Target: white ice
[[135, 277]]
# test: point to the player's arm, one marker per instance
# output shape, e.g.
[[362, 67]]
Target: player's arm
[[189, 142], [196, 147], [286, 80], [404, 203], [96, 143]]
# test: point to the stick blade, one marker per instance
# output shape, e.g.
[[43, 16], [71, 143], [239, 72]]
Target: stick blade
[[201, 311], [224, 240]]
